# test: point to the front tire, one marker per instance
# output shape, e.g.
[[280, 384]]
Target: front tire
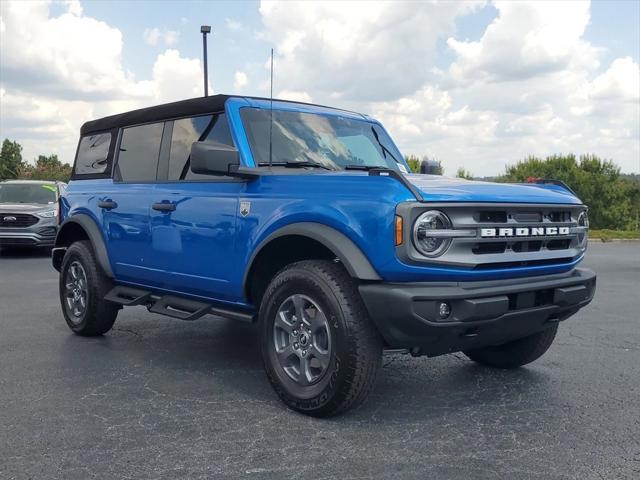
[[83, 286], [516, 353], [320, 350]]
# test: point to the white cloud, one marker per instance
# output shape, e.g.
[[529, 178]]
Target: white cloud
[[358, 50], [240, 80], [176, 78], [60, 71], [620, 82], [531, 84], [73, 7], [232, 24], [59, 55], [153, 36], [296, 96], [525, 40], [171, 37]]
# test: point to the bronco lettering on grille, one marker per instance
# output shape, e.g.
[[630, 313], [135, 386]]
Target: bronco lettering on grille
[[524, 232]]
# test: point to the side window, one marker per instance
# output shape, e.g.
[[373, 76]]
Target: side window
[[138, 155], [188, 130], [92, 154]]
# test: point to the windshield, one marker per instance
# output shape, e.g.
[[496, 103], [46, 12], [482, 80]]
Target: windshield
[[329, 140], [27, 193]]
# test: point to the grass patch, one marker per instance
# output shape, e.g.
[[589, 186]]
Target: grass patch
[[608, 235]]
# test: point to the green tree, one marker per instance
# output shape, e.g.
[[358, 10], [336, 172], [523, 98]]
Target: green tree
[[51, 161], [612, 199], [462, 173], [47, 167], [10, 159], [414, 163]]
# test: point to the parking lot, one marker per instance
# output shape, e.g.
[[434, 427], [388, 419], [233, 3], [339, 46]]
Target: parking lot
[[161, 398]]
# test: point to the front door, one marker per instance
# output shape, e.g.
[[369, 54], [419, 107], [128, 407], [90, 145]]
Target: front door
[[193, 217]]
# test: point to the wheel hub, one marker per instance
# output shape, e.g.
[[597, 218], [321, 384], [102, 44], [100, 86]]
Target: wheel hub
[[302, 339]]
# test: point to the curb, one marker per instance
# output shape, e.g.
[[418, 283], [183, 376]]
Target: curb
[[614, 240]]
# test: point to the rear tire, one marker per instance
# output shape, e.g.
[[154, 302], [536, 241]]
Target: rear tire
[[516, 353], [83, 286], [320, 351]]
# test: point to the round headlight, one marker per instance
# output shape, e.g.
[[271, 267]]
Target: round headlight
[[583, 225], [583, 219], [426, 239]]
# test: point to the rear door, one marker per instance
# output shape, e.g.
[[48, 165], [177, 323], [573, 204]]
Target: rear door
[[193, 217], [125, 208]]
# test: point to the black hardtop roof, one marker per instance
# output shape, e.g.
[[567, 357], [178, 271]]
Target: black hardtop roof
[[182, 108]]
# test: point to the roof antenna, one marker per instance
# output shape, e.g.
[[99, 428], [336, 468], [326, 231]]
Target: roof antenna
[[271, 116]]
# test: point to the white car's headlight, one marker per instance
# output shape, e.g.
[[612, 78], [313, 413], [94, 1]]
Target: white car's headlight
[[426, 236], [47, 213]]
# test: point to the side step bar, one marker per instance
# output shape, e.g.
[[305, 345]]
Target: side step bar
[[127, 296], [171, 305], [180, 308]]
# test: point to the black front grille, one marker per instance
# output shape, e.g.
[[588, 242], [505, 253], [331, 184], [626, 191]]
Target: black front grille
[[530, 246], [17, 220], [527, 263]]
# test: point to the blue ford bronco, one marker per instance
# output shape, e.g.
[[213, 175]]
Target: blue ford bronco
[[305, 220]]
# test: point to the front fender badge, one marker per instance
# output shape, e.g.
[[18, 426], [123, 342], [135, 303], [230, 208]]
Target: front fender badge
[[245, 208]]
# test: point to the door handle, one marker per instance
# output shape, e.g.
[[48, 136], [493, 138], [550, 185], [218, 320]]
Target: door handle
[[164, 206], [107, 204]]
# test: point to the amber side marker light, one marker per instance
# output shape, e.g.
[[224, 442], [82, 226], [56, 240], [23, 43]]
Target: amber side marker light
[[398, 230]]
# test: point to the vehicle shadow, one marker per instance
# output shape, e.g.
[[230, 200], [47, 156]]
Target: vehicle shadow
[[216, 359]]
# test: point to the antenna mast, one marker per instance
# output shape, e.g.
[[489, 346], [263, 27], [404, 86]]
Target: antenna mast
[[271, 116]]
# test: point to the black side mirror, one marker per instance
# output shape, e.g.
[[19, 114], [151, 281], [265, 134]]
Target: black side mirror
[[213, 158]]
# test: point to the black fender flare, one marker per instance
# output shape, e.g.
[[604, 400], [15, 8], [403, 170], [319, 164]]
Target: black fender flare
[[349, 254], [95, 237]]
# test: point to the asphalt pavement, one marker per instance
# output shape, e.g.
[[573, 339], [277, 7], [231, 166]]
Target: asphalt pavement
[[162, 398]]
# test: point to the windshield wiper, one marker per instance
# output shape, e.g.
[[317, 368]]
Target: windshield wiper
[[384, 149], [362, 167], [292, 164]]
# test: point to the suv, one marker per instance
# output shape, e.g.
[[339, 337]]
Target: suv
[[305, 220], [29, 213]]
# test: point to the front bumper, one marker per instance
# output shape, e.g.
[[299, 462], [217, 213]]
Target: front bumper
[[39, 235], [482, 313]]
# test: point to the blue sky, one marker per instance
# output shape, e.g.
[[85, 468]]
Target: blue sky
[[478, 84]]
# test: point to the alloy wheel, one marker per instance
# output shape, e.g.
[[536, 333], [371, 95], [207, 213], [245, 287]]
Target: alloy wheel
[[76, 291], [302, 340]]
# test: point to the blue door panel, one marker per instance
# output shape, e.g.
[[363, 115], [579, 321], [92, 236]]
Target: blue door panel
[[126, 229], [194, 245]]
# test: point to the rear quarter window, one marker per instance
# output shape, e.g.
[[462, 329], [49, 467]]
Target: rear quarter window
[[93, 154], [138, 153]]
